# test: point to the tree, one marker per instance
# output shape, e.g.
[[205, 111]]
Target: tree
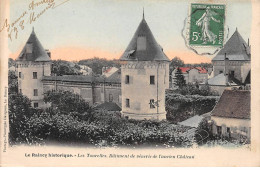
[[61, 67], [65, 102], [98, 63], [12, 82], [19, 110], [11, 62], [176, 62], [179, 79], [203, 132]]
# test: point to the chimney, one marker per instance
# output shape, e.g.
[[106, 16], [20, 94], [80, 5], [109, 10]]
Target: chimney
[[48, 52], [225, 69]]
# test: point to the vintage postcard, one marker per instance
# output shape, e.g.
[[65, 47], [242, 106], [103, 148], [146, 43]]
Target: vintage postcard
[[129, 83]]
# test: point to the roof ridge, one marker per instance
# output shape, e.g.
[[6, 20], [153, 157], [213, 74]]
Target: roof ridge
[[33, 50], [143, 46]]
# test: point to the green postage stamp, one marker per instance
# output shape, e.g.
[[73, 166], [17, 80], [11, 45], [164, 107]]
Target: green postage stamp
[[207, 24]]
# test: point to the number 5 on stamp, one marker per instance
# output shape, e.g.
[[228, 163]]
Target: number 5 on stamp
[[207, 25]]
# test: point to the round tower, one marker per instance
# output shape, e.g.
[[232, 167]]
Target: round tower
[[145, 76], [32, 64]]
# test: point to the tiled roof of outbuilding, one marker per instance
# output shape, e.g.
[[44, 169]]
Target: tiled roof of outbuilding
[[33, 50], [153, 51], [109, 106], [233, 104], [235, 49]]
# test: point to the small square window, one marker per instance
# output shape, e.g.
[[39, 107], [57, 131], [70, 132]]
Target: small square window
[[35, 92], [20, 90], [152, 104], [220, 72], [35, 105], [127, 79], [127, 103], [20, 74], [34, 75], [152, 80]]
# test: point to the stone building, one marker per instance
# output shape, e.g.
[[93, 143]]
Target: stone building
[[233, 59], [231, 66], [33, 64], [145, 76], [231, 116], [191, 75]]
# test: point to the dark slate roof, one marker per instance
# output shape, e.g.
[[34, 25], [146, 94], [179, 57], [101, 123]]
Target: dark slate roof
[[153, 50], [233, 104], [115, 77], [38, 52], [81, 79], [235, 49], [109, 106]]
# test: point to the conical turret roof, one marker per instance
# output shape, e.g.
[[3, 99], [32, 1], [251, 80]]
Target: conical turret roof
[[33, 50], [150, 50], [235, 49]]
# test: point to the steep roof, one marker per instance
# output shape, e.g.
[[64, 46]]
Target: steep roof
[[233, 104], [235, 49], [33, 50], [152, 51]]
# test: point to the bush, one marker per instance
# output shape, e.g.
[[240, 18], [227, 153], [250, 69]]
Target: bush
[[65, 102], [102, 129], [181, 107]]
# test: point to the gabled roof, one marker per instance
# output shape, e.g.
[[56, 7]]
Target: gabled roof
[[220, 80], [153, 51], [233, 104], [33, 50], [185, 70], [235, 49], [202, 70], [192, 122], [109, 106]]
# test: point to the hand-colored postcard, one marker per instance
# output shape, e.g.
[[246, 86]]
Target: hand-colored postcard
[[130, 83]]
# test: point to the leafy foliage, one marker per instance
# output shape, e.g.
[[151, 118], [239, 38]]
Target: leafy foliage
[[100, 128], [176, 62], [181, 107], [11, 62], [179, 79], [61, 67], [196, 89], [65, 102], [203, 132], [98, 63], [20, 111], [12, 82]]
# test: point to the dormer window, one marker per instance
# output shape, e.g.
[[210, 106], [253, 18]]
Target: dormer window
[[29, 48], [130, 53], [141, 43]]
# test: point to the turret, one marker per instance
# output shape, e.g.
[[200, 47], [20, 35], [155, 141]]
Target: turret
[[145, 76], [32, 64]]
